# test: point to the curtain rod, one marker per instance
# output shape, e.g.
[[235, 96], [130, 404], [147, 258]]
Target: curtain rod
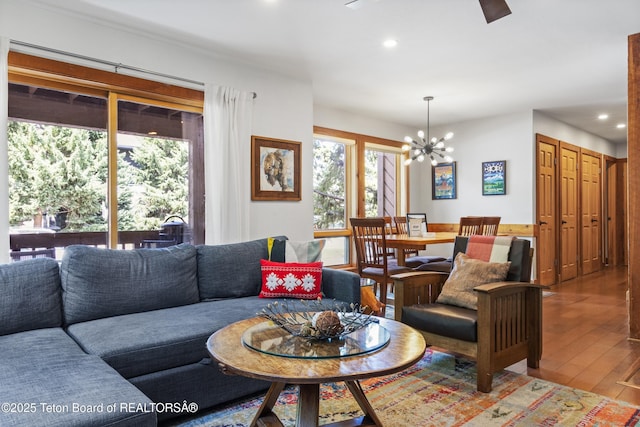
[[117, 66]]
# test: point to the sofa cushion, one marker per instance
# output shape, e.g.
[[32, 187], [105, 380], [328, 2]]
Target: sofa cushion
[[291, 280], [142, 343], [46, 367], [233, 270], [30, 295], [101, 283]]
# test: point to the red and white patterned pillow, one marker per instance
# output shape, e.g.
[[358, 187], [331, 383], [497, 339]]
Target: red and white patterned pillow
[[291, 280]]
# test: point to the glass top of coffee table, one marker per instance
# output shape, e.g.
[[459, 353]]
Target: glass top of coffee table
[[267, 337]]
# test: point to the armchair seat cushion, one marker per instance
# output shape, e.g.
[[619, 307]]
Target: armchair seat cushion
[[441, 319]]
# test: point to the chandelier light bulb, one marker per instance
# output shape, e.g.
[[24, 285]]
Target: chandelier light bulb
[[427, 147]]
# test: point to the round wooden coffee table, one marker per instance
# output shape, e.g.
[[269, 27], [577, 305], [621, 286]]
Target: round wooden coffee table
[[404, 348]]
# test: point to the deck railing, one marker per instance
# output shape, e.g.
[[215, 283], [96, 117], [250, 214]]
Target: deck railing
[[32, 245]]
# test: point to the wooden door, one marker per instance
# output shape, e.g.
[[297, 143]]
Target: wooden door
[[609, 217], [590, 224], [568, 212], [546, 256]]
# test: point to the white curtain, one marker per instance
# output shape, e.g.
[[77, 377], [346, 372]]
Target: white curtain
[[4, 162], [227, 155]]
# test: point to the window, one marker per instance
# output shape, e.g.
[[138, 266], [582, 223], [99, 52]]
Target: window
[[353, 175], [101, 163]]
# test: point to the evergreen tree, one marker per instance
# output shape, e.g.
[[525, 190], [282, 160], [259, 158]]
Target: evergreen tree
[[57, 171], [328, 185], [162, 174], [63, 171]]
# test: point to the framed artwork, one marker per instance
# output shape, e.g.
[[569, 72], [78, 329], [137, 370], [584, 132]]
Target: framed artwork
[[443, 181], [494, 178], [275, 169]]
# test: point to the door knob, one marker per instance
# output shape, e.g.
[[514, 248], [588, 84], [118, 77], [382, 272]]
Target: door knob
[[564, 222], [543, 222], [594, 220]]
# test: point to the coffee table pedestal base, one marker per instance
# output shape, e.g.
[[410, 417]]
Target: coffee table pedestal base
[[308, 412]]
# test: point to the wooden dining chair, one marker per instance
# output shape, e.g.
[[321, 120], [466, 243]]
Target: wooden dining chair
[[401, 228], [390, 228], [401, 224], [470, 225], [490, 225], [369, 236]]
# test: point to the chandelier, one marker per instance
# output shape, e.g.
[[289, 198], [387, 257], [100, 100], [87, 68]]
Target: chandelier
[[432, 148]]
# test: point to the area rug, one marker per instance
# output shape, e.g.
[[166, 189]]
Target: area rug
[[440, 390]]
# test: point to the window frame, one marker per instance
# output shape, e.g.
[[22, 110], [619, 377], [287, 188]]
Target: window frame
[[355, 181], [57, 75]]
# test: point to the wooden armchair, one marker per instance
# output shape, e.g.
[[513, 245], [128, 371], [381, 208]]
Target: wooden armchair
[[506, 327]]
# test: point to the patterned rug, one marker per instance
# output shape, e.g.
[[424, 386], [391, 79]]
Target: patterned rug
[[441, 391]]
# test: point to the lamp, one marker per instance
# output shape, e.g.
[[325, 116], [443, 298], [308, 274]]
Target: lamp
[[426, 147]]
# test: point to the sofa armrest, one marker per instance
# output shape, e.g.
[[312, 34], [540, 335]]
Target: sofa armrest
[[416, 287], [341, 285]]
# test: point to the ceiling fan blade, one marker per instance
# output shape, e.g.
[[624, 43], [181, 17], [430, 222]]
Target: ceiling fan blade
[[494, 9]]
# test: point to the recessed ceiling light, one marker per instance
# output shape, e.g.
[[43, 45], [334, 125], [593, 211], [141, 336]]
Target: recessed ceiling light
[[621, 126], [603, 116], [389, 43]]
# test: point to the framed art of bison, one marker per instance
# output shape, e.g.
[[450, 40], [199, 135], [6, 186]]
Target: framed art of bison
[[275, 169]]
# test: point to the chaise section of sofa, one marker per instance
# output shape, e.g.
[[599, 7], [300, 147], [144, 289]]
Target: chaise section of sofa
[[143, 313], [46, 378]]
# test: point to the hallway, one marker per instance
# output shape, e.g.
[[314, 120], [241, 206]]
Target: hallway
[[585, 341]]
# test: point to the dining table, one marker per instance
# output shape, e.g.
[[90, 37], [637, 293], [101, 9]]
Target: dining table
[[400, 242]]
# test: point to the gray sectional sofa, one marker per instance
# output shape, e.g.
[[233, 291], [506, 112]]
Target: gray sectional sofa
[[117, 338]]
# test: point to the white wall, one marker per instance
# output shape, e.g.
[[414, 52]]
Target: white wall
[[556, 129], [349, 122], [492, 138], [283, 108]]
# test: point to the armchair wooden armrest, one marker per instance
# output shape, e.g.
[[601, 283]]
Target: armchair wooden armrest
[[416, 287], [509, 327]]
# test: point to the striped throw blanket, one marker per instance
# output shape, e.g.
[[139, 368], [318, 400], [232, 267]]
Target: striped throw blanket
[[489, 248]]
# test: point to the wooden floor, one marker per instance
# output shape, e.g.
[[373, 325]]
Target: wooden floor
[[585, 340]]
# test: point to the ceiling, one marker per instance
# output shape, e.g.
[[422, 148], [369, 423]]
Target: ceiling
[[566, 59]]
